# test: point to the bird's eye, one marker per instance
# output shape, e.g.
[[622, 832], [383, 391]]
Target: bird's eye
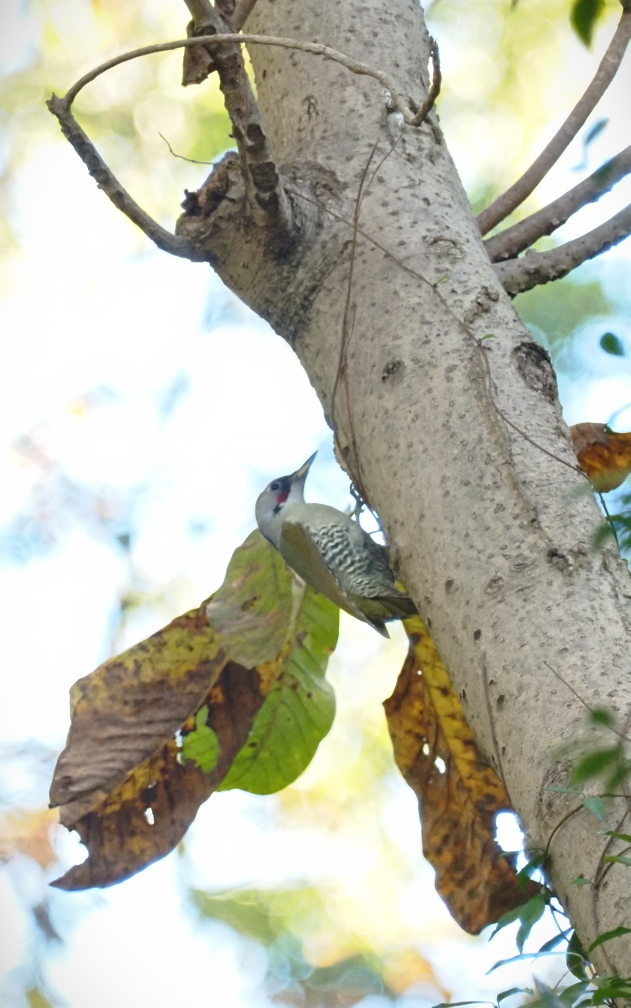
[[275, 485]]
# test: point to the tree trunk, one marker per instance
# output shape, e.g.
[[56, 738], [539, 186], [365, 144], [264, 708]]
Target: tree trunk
[[456, 440]]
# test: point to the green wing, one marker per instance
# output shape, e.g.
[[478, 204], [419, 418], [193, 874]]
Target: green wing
[[303, 556]]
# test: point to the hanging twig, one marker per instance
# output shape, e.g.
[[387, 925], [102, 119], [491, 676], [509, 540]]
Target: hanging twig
[[535, 268], [513, 197], [513, 240]]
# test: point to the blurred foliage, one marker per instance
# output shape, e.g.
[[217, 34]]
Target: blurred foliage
[[504, 83], [345, 933], [124, 111], [282, 921]]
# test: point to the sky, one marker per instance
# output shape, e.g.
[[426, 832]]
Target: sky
[[140, 399]]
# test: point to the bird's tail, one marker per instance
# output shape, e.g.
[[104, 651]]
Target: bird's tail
[[398, 607]]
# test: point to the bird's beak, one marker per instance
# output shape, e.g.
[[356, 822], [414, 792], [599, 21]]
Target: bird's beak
[[300, 475]]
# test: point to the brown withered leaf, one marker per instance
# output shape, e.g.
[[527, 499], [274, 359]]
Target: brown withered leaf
[[126, 709], [197, 63], [458, 806], [604, 455], [121, 781], [132, 704], [147, 815]]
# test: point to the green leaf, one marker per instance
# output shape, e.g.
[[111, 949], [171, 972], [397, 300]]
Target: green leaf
[[593, 763], [526, 873], [547, 997], [528, 913], [602, 716], [595, 804], [570, 995], [509, 993], [610, 988], [508, 918], [617, 859], [608, 935], [519, 958], [532, 912], [612, 344], [201, 745], [584, 16], [581, 880], [299, 709], [575, 959], [604, 532], [253, 606], [619, 836], [457, 1004], [556, 940]]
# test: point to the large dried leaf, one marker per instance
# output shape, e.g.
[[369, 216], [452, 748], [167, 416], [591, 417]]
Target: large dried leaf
[[121, 780], [459, 799], [604, 455], [147, 815], [198, 63], [126, 709]]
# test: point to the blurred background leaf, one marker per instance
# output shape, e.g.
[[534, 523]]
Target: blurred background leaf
[[128, 478]]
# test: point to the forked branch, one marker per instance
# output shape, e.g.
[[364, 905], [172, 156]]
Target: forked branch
[[266, 197], [536, 268], [269, 198], [513, 197], [513, 240]]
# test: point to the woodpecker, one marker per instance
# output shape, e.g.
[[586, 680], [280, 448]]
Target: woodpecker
[[331, 552]]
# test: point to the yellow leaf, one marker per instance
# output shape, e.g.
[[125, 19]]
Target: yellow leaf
[[604, 455], [459, 793]]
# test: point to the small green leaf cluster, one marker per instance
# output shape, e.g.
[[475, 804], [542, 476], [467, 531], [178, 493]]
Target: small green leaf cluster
[[617, 525], [605, 763]]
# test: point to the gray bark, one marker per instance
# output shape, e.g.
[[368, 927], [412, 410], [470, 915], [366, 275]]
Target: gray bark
[[490, 526]]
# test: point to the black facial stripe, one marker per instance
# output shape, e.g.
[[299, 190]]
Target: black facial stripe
[[284, 487]]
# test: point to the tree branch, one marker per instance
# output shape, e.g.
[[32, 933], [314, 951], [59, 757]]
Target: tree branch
[[105, 178], [434, 88], [243, 10], [107, 181], [201, 11], [535, 268], [515, 239], [266, 197], [513, 197], [315, 48]]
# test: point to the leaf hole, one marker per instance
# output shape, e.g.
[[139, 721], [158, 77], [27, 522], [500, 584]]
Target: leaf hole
[[425, 749], [440, 764], [149, 816]]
